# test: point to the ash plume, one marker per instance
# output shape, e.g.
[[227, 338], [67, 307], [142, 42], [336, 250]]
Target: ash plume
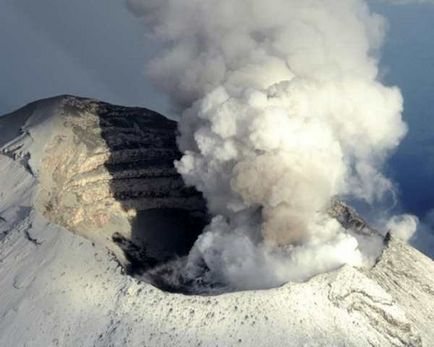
[[282, 111]]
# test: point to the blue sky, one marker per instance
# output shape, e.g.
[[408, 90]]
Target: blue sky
[[87, 47], [97, 48], [408, 62]]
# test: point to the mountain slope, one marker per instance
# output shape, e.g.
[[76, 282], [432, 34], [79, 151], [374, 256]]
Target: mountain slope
[[106, 170], [60, 288]]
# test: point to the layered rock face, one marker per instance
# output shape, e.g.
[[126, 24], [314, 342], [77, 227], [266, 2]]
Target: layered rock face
[[106, 172]]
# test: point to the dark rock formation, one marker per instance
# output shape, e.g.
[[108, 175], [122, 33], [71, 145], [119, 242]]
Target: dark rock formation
[[350, 219], [106, 172]]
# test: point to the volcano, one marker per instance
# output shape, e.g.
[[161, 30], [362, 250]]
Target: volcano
[[91, 212]]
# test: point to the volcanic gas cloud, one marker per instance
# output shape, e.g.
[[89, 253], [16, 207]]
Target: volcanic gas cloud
[[282, 111]]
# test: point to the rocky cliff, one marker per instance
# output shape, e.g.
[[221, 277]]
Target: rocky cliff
[[106, 172]]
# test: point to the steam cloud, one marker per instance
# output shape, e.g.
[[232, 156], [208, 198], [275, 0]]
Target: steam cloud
[[282, 110]]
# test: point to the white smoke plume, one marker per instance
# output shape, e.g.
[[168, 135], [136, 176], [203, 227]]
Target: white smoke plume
[[423, 238], [282, 110], [403, 227]]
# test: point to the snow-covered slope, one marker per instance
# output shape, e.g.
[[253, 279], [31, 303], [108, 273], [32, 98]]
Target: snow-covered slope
[[58, 288]]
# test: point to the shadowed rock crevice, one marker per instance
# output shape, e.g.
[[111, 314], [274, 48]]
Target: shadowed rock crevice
[[166, 216]]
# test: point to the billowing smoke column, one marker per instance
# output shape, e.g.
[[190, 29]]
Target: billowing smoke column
[[282, 111]]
